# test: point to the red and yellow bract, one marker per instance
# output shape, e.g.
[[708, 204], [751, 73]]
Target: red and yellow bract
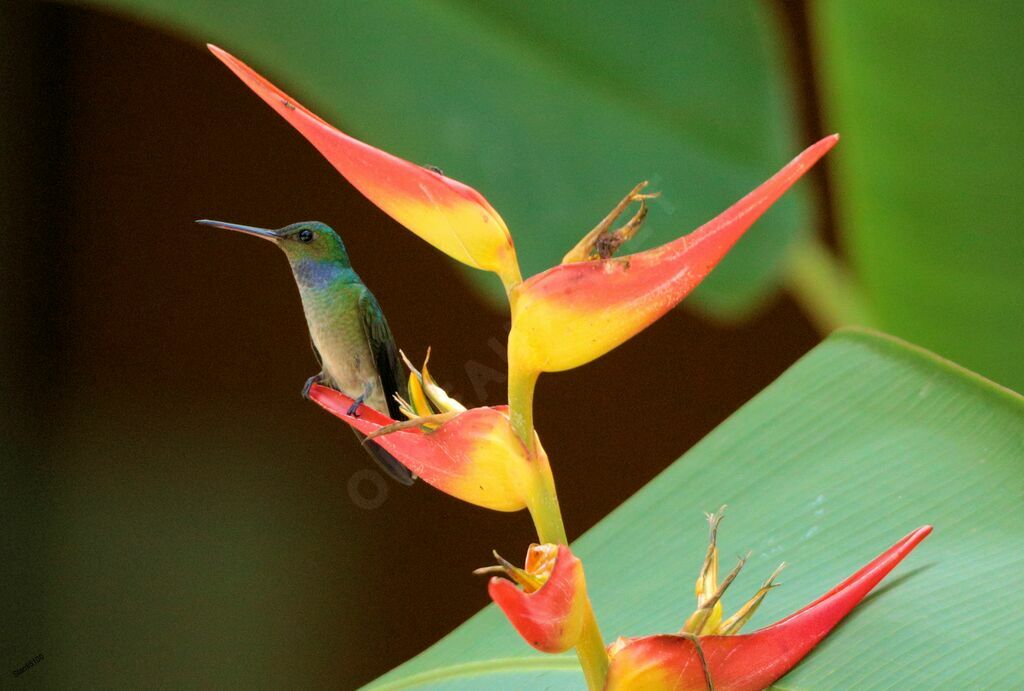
[[550, 618], [475, 456], [573, 313], [670, 662], [448, 214]]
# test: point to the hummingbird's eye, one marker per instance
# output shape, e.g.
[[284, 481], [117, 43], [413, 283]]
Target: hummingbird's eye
[[305, 235]]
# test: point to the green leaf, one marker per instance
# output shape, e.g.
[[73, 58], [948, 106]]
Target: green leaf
[[552, 110], [863, 440], [929, 100]]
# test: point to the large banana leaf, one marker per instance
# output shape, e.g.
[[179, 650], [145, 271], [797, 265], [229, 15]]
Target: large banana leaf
[[552, 110], [929, 97], [861, 441]]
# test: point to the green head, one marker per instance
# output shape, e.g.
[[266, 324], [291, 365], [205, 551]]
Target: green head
[[308, 241]]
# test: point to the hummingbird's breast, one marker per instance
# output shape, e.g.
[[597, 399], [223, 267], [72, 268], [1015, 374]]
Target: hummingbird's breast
[[331, 302]]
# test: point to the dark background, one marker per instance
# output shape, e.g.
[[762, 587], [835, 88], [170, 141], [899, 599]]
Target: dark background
[[174, 512]]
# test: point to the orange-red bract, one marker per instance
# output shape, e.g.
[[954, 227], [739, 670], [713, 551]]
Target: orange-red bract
[[573, 313], [475, 456], [751, 661], [551, 618], [448, 214]]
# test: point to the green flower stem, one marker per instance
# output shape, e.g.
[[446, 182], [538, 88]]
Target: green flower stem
[[543, 505], [543, 499], [591, 651], [510, 280], [547, 517], [520, 405]]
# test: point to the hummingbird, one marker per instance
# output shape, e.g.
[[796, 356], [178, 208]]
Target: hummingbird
[[347, 328]]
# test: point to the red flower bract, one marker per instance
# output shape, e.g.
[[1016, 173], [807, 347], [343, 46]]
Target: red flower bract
[[573, 313], [448, 214], [475, 456], [755, 660], [550, 618]]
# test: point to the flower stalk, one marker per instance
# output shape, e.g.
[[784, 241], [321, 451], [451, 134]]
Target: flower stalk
[[521, 385], [543, 503], [547, 516], [542, 499], [591, 651]]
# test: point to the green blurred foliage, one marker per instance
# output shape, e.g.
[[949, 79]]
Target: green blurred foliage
[[554, 111], [863, 440], [929, 97], [166, 557]]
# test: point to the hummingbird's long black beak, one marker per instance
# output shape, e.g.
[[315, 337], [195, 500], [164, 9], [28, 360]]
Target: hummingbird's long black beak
[[249, 230]]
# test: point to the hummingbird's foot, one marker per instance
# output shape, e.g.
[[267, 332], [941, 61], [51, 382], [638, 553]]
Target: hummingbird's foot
[[353, 409], [315, 379]]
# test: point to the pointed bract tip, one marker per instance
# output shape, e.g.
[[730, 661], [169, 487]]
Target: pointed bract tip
[[227, 58], [823, 145], [913, 538]]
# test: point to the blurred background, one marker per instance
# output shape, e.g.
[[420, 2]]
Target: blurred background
[[174, 514]]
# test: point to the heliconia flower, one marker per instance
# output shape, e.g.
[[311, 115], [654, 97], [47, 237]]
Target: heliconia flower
[[473, 455], [549, 606], [575, 312], [448, 214], [679, 662]]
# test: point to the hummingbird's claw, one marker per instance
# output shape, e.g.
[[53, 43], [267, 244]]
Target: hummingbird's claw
[[315, 379], [353, 409]]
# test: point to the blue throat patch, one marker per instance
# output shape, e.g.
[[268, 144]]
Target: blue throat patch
[[312, 273]]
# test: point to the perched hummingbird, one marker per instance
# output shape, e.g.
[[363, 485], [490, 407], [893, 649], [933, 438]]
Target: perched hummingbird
[[350, 336]]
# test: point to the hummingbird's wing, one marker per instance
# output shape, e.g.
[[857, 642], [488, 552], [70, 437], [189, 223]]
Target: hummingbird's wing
[[385, 356], [384, 351]]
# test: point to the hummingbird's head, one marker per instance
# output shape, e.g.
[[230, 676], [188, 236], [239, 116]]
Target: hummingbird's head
[[304, 241], [311, 240]]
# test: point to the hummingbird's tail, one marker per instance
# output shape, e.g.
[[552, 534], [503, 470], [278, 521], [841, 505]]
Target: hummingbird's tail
[[388, 463]]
